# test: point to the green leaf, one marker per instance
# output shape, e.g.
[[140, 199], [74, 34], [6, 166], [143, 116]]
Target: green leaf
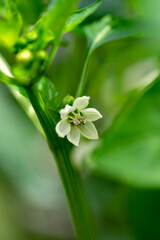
[[120, 29], [105, 30], [31, 11], [10, 24], [48, 92], [4, 67], [80, 15], [108, 29], [132, 154], [55, 19], [97, 31], [7, 80], [17, 91]]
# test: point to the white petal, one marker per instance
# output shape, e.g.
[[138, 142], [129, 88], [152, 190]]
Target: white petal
[[91, 114], [74, 135], [65, 111], [89, 130], [63, 128], [81, 102]]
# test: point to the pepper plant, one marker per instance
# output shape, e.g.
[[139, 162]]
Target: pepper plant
[[32, 49]]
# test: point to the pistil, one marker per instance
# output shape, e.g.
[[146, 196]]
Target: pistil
[[77, 119]]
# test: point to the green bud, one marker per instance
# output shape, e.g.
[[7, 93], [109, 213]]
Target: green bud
[[41, 55], [21, 42], [32, 36], [24, 56], [68, 100], [30, 46], [48, 37]]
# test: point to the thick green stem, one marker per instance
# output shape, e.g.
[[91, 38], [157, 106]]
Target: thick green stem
[[81, 217]]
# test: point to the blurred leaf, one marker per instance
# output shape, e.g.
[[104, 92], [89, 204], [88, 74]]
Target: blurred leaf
[[7, 80], [97, 31], [132, 154], [10, 24], [121, 29], [106, 30], [22, 98], [18, 91], [59, 11], [6, 76], [4, 67], [143, 213], [31, 10], [54, 21], [80, 15]]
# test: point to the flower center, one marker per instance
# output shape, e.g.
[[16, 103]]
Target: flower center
[[79, 120], [76, 119]]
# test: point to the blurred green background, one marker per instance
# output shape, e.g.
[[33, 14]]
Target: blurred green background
[[122, 176]]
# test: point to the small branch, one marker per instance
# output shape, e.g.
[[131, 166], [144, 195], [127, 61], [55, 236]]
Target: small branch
[[83, 79], [52, 53]]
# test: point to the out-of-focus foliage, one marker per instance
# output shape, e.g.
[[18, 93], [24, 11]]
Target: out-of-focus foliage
[[80, 15], [10, 23], [33, 183], [120, 82], [107, 30], [58, 13], [31, 11], [131, 154]]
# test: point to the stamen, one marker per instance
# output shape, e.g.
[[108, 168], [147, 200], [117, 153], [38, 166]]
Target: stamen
[[79, 120], [70, 117], [76, 119]]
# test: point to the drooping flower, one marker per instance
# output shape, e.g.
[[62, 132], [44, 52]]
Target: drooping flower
[[76, 120]]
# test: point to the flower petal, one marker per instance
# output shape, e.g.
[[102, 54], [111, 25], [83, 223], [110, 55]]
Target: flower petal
[[64, 112], [81, 102], [91, 114], [74, 135], [89, 130], [63, 128]]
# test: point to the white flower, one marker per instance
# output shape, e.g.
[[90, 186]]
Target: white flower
[[76, 120]]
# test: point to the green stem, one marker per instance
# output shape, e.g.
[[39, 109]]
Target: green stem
[[52, 53], [83, 78], [81, 217]]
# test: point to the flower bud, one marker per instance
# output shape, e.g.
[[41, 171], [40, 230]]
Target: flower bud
[[21, 42], [68, 100], [30, 46], [42, 55], [32, 36], [24, 56]]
